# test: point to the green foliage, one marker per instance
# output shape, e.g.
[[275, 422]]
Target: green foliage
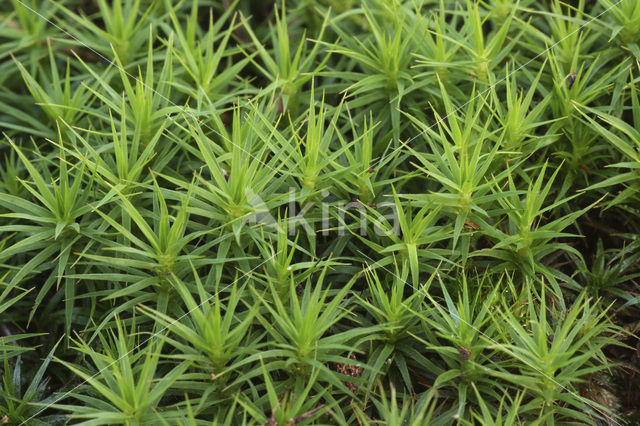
[[19, 404], [319, 212]]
